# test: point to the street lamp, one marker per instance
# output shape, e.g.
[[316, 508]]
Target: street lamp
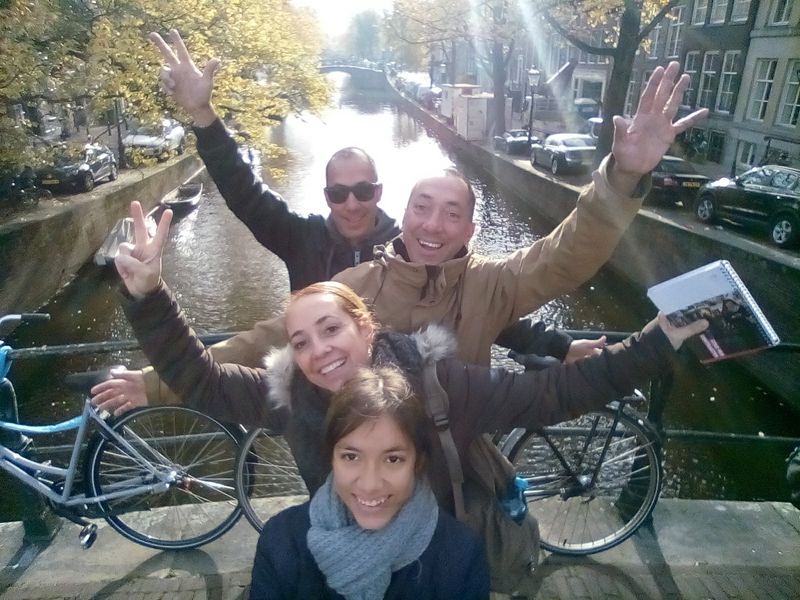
[[533, 81], [442, 73]]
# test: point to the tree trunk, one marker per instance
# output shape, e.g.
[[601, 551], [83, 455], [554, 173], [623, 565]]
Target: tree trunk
[[614, 100], [499, 87]]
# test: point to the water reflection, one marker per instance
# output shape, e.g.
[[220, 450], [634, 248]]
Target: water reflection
[[226, 281]]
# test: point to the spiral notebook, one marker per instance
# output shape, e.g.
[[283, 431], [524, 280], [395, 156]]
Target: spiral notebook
[[737, 326]]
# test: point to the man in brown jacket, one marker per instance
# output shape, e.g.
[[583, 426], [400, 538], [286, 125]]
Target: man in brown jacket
[[429, 275]]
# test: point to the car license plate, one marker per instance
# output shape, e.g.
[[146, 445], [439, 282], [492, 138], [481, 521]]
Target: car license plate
[[50, 181], [691, 184]]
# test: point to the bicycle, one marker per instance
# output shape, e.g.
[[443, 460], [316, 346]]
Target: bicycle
[[592, 481], [162, 477]]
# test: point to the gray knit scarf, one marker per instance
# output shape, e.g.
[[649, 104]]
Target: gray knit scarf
[[358, 563]]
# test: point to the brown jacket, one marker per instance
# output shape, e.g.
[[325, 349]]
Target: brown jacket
[[475, 296]]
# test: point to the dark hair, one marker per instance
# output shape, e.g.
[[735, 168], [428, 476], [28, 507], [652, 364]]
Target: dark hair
[[351, 152], [350, 302], [373, 393]]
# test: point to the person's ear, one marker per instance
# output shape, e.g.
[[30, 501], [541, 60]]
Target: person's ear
[[378, 193]]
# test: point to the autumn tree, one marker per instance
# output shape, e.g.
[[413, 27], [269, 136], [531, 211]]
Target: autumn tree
[[628, 23], [490, 27]]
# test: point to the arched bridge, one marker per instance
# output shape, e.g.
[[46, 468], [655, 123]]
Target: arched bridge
[[362, 77]]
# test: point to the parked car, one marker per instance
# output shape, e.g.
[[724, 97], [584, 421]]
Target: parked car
[[564, 151], [765, 197], [158, 141], [514, 141], [675, 180], [77, 167]]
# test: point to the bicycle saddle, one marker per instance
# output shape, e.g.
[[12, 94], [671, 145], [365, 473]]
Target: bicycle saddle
[[84, 382]]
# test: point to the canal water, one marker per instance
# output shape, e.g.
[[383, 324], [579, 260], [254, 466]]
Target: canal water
[[226, 281]]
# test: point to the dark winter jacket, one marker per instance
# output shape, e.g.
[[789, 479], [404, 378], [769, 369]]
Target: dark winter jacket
[[482, 399], [312, 247], [452, 566]]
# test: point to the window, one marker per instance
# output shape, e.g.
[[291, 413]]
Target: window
[[700, 11], [630, 96], [782, 10], [656, 41], [731, 65], [690, 68], [708, 79], [762, 88], [469, 61], [719, 8], [716, 144], [741, 10], [790, 104], [747, 154], [785, 180], [675, 31], [518, 76]]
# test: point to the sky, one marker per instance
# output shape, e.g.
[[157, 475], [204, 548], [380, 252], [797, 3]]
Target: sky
[[335, 15]]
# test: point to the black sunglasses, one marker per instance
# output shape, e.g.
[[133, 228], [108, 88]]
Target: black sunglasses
[[364, 191]]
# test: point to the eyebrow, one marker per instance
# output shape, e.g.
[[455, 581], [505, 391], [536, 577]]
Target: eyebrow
[[387, 451], [317, 322]]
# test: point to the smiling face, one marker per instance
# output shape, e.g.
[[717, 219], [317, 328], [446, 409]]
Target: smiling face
[[328, 344], [354, 219], [373, 471], [438, 220]]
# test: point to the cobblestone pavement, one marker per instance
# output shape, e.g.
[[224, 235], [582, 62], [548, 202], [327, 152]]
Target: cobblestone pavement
[[695, 550]]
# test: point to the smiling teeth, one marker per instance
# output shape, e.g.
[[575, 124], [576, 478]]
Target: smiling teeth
[[328, 368], [429, 244], [371, 503]]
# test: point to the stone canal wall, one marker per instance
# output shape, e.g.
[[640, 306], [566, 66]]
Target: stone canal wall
[[656, 247], [42, 250]]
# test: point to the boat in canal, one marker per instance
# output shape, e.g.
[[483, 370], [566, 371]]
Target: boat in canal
[[123, 232], [183, 198]]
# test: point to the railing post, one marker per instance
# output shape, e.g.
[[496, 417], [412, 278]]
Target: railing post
[[38, 520]]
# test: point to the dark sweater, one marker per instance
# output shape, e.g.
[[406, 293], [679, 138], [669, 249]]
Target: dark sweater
[[312, 247], [453, 566]]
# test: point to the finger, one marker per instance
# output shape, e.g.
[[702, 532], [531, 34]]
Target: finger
[[164, 48], [112, 403], [691, 120], [676, 98], [123, 409], [126, 263], [621, 125], [125, 248], [183, 53], [162, 231], [666, 85], [649, 93], [140, 236], [165, 75], [696, 327], [104, 394], [211, 68]]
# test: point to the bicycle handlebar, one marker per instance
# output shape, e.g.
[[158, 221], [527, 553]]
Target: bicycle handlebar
[[24, 318]]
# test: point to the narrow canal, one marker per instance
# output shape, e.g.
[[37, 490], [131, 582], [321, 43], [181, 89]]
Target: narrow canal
[[226, 281]]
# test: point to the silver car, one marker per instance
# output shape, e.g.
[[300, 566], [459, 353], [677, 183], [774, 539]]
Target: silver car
[[564, 152], [158, 141]]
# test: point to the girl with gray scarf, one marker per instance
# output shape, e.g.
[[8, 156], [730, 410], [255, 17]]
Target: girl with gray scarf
[[374, 529]]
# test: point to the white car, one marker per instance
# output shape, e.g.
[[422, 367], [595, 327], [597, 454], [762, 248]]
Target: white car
[[159, 140]]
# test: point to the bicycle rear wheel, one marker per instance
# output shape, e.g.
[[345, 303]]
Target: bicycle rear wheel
[[267, 478], [584, 507], [196, 454]]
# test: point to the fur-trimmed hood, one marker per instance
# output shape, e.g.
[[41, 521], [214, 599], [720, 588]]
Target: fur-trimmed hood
[[432, 344]]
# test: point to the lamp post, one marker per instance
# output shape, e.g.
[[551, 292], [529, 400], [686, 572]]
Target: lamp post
[[533, 81], [442, 73]]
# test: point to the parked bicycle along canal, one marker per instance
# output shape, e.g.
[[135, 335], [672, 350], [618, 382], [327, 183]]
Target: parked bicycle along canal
[[226, 281]]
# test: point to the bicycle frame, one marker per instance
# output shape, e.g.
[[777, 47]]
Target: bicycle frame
[[27, 470]]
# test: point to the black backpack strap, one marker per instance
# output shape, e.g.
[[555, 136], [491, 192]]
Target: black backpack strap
[[438, 406]]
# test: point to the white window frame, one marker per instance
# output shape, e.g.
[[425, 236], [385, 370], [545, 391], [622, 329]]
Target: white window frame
[[700, 12], [518, 76], [791, 96], [656, 35], [718, 6], [629, 95], [727, 81], [747, 154], [691, 66], [762, 88], [675, 32], [782, 12], [741, 10], [708, 73]]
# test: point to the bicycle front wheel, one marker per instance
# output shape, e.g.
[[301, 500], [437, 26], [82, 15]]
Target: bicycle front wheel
[[592, 481], [267, 478], [193, 453]]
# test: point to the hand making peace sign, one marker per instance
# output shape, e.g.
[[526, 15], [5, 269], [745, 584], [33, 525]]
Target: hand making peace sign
[[139, 264]]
